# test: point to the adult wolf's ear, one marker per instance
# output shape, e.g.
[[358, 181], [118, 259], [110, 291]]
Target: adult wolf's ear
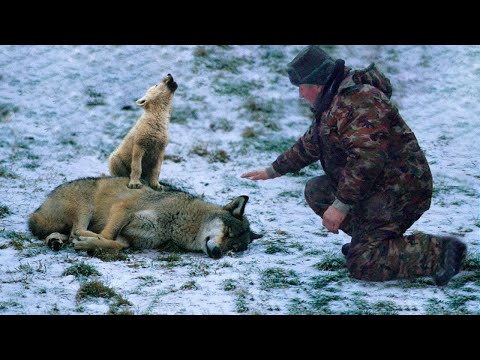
[[254, 236], [141, 102], [237, 206]]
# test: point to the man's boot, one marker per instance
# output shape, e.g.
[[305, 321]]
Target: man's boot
[[453, 253], [345, 248]]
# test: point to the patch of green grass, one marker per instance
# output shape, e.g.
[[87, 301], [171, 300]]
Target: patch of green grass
[[109, 255], [322, 300], [5, 173], [297, 245], [6, 111], [18, 240], [147, 280], [95, 98], [189, 285], [200, 269], [200, 52], [241, 88], [417, 283], [242, 296], [229, 285], [320, 282], [278, 278], [81, 270], [200, 150], [471, 264], [4, 211], [444, 189], [274, 58], [462, 280], [264, 112], [115, 311], [118, 307], [254, 105], [385, 308], [294, 194], [95, 289], [298, 306], [6, 305], [213, 60], [26, 268], [221, 124], [184, 114], [174, 158], [458, 302], [31, 165], [331, 262], [274, 248], [315, 252], [250, 133], [265, 145], [218, 156], [436, 307]]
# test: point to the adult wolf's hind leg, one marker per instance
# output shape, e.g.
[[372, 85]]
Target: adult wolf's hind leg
[[56, 241]]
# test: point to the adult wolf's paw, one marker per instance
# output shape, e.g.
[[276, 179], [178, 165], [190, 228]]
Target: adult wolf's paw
[[56, 241], [134, 185], [83, 243]]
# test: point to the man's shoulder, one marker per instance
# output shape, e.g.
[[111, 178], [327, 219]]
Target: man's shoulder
[[362, 95]]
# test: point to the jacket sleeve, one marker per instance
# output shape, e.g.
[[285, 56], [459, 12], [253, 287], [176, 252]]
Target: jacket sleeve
[[303, 153], [363, 135]]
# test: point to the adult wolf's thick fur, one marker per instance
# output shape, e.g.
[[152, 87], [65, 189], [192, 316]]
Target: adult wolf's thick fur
[[103, 213]]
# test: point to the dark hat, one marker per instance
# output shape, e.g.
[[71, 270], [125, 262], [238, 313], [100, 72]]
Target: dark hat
[[311, 66]]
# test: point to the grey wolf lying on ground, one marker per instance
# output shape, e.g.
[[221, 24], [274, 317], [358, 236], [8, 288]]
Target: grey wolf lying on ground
[[103, 213]]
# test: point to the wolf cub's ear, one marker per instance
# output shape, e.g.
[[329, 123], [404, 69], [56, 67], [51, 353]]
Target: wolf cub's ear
[[237, 206], [141, 102]]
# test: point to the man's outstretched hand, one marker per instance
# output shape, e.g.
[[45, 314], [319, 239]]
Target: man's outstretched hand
[[333, 218], [260, 174]]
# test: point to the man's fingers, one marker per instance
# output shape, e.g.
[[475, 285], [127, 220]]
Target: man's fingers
[[249, 174], [330, 226]]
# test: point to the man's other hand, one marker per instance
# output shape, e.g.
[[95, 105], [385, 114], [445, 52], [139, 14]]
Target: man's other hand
[[332, 219]]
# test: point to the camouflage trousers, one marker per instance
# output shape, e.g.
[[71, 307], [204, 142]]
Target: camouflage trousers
[[378, 250]]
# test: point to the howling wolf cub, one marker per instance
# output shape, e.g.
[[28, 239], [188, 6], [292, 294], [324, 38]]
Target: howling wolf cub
[[140, 154], [103, 213]]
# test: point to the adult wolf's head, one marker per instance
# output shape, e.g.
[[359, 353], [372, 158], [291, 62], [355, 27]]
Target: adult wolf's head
[[227, 230], [159, 95]]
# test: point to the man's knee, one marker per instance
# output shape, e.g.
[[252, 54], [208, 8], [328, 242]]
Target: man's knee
[[318, 192]]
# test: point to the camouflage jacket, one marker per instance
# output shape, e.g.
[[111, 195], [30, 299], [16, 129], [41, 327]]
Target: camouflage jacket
[[362, 142]]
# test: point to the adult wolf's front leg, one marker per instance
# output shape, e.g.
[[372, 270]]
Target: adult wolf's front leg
[[88, 240], [94, 243]]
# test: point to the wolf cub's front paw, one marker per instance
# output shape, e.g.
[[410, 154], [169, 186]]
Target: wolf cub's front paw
[[157, 186], [134, 185]]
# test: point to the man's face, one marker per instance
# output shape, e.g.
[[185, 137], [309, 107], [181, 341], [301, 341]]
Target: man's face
[[309, 92]]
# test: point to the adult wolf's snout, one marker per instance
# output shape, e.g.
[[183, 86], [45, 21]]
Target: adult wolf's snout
[[213, 250]]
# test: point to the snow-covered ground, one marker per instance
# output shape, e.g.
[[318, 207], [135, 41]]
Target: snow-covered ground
[[63, 109]]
